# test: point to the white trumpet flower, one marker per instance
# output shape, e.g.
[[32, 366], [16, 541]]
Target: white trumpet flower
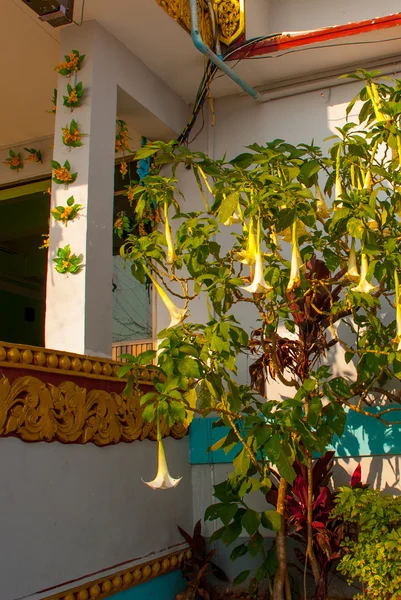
[[163, 479], [352, 267], [171, 255], [364, 287], [258, 285], [296, 262], [177, 315]]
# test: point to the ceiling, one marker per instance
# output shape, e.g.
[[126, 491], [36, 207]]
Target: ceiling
[[27, 66]]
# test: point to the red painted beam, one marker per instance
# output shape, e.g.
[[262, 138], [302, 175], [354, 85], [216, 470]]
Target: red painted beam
[[288, 41]]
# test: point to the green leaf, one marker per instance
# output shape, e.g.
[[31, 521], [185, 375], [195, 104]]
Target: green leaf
[[189, 367], [271, 520], [356, 228], [231, 533], [241, 577], [284, 465], [228, 206], [227, 512], [149, 413], [314, 411], [340, 387], [251, 521], [238, 551], [241, 463]]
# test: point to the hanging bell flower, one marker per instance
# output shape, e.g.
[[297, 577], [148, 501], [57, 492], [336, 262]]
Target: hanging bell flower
[[352, 267], [163, 479], [397, 309], [321, 207], [364, 287], [296, 261], [258, 285], [171, 255], [177, 315], [248, 256]]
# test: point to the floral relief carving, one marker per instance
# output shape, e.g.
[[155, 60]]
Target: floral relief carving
[[229, 16], [37, 411]]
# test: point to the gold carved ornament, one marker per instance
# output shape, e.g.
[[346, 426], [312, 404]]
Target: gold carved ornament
[[230, 18], [126, 579], [34, 411]]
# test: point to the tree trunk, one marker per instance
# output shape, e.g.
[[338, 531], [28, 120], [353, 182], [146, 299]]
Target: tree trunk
[[309, 547], [280, 589]]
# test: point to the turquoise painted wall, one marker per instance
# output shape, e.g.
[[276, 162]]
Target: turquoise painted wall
[[363, 436], [165, 587]]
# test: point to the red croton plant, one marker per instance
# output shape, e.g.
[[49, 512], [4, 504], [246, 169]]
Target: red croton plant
[[328, 532]]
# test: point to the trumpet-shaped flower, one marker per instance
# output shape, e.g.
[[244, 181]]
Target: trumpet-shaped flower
[[296, 262], [397, 309], [163, 479], [171, 255], [352, 267], [177, 315], [258, 285], [248, 256], [322, 210], [364, 286], [286, 234]]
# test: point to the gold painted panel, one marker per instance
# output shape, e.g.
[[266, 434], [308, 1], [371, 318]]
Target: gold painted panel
[[230, 18], [126, 579], [35, 411], [45, 360]]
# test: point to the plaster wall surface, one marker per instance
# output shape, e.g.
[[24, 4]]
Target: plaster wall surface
[[68, 511]]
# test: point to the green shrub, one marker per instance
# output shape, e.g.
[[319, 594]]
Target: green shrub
[[372, 548]]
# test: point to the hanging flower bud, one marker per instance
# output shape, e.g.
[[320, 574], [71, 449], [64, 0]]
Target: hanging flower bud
[[233, 220], [171, 255], [321, 206], [296, 261], [397, 309], [338, 188], [273, 237], [352, 268], [364, 287], [248, 256], [177, 315], [163, 479]]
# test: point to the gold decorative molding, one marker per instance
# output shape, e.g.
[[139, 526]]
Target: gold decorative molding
[[35, 411], [230, 18], [126, 579], [53, 361]]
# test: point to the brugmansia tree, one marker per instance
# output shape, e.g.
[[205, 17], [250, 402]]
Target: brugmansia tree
[[320, 283]]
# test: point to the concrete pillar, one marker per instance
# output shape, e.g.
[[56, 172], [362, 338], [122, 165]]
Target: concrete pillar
[[79, 306]]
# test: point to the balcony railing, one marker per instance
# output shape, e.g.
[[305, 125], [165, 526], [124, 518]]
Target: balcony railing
[[134, 347]]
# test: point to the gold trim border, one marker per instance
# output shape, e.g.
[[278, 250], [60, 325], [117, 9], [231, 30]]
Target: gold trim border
[[65, 363], [36, 411], [125, 579]]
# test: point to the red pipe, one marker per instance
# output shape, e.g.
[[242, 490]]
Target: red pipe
[[287, 41]]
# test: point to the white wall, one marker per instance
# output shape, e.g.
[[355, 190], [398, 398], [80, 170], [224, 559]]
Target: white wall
[[70, 510]]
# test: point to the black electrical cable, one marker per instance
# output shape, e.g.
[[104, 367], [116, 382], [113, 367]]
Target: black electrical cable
[[211, 70]]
